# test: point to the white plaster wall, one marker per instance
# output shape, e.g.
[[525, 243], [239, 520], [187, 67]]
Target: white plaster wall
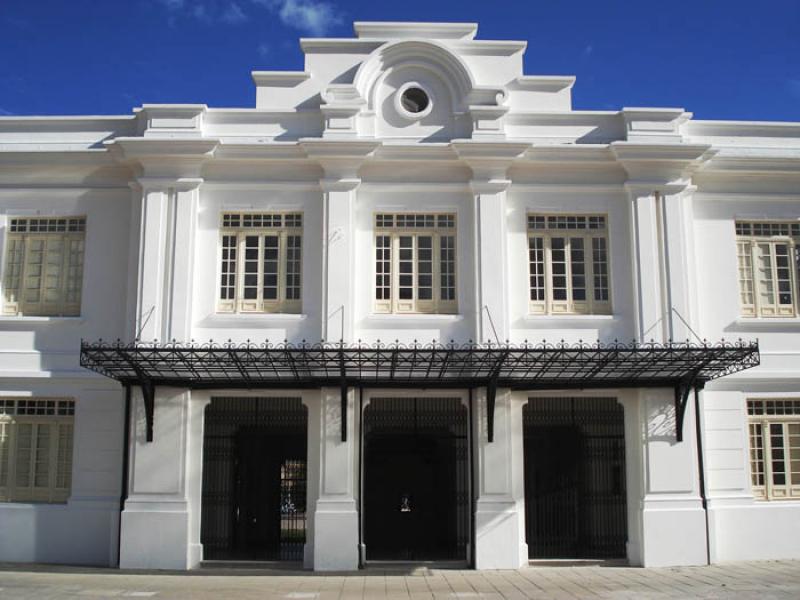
[[590, 328], [370, 327], [673, 521], [85, 529], [32, 345], [40, 357], [207, 323], [742, 528]]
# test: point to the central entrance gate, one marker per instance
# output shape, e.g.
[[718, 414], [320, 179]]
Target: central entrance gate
[[254, 479], [575, 502], [416, 500]]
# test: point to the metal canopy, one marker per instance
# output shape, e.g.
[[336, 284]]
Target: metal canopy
[[681, 366]]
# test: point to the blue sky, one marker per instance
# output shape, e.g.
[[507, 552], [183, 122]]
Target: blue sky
[[719, 59]]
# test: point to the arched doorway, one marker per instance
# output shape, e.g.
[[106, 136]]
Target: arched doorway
[[575, 499], [254, 479]]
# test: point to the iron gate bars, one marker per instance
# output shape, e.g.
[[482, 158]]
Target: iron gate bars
[[681, 366]]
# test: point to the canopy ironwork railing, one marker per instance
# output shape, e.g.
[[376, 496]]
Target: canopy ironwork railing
[[545, 366]]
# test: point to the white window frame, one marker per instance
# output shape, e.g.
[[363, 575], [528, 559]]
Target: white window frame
[[65, 267], [48, 418], [752, 237], [257, 224], [587, 227], [397, 225], [774, 426]]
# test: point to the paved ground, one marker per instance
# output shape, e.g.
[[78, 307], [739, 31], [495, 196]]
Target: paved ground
[[761, 580]]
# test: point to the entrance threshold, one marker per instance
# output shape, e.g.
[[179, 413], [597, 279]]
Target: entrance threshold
[[252, 565], [578, 562], [417, 567]]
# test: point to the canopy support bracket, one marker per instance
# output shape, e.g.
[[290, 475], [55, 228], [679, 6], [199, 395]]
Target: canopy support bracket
[[491, 395], [149, 397], [343, 390]]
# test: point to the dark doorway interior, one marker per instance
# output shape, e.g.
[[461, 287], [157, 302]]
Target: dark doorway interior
[[254, 479], [575, 502], [416, 479]]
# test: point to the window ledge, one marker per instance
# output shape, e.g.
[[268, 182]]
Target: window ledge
[[234, 319], [767, 323], [30, 319], [411, 317], [570, 318]]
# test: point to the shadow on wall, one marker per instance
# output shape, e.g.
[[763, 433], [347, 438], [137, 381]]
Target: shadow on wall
[[662, 424]]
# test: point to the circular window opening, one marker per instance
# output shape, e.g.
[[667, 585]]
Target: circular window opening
[[414, 100]]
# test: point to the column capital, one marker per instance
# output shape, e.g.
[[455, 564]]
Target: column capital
[[162, 184], [637, 190], [339, 159], [489, 161], [170, 158], [489, 186], [335, 184]]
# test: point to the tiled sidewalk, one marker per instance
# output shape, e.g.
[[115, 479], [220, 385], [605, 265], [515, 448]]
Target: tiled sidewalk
[[761, 580]]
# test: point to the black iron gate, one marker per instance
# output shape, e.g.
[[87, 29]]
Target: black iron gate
[[575, 503], [254, 479], [416, 503]]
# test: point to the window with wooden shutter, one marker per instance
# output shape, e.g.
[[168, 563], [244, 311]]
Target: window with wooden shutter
[[44, 266], [36, 439], [260, 263], [774, 428], [767, 258], [415, 263], [568, 264]]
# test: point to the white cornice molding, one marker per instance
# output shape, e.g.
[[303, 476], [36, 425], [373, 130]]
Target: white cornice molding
[[181, 184], [275, 151], [164, 157], [570, 153], [746, 161], [279, 78], [776, 129], [488, 47], [385, 30], [439, 153], [135, 147], [339, 45], [635, 151], [317, 147], [581, 189], [489, 160], [62, 189], [749, 196], [489, 150], [415, 186], [271, 185], [665, 168], [340, 159], [543, 83]]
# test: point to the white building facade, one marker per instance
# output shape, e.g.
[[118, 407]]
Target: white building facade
[[469, 294]]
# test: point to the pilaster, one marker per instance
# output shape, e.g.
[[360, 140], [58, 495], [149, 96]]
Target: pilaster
[[672, 516], [162, 508], [336, 517], [500, 477], [663, 247], [340, 161], [491, 275], [166, 258], [660, 170], [339, 198], [489, 162]]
